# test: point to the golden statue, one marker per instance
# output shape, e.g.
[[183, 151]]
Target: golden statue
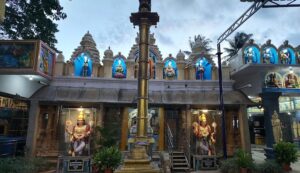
[[205, 134], [276, 124], [79, 136]]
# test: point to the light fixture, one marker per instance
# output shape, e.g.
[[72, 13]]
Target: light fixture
[[80, 109], [204, 110], [30, 77]]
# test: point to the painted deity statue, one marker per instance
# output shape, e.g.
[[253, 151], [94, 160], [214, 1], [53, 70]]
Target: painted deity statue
[[291, 81], [285, 56], [267, 56], [201, 71], [205, 135], [79, 136], [296, 129], [272, 81], [249, 55], [85, 68], [169, 71], [276, 124]]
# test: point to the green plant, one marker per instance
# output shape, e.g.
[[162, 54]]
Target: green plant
[[243, 159], [108, 157], [229, 166], [269, 166], [285, 152], [107, 136], [24, 165]]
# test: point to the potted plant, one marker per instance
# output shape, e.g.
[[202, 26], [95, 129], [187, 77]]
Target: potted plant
[[108, 159], [244, 161], [268, 166], [285, 154], [229, 166]]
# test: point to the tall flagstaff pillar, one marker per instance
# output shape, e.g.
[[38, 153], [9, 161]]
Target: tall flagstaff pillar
[[138, 160], [144, 19]]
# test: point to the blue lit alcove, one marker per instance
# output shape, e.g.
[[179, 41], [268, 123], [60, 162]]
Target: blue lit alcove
[[203, 69], [119, 69], [170, 69], [270, 55], [251, 55], [83, 65], [287, 56]]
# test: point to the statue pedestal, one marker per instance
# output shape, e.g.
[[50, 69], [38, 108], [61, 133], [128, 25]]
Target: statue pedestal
[[138, 161], [202, 162], [79, 164]]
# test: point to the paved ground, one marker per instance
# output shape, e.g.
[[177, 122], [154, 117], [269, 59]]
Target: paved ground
[[258, 156]]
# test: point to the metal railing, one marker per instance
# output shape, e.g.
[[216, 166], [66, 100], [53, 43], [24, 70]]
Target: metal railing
[[170, 142]]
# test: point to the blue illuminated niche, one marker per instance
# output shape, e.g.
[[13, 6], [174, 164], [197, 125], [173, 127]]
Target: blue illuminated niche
[[170, 69], [287, 56], [83, 65], [251, 55], [119, 69], [270, 55], [203, 69]]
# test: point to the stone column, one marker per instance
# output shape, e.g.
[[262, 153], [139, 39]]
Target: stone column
[[270, 104], [159, 70], [244, 128], [124, 133], [130, 69], [192, 73], [107, 63], [189, 117], [180, 70], [34, 112], [95, 70], [161, 140]]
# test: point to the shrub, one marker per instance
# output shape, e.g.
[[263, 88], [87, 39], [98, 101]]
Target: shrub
[[24, 165], [285, 152], [108, 157]]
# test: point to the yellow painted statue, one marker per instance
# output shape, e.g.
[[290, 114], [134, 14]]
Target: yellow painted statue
[[79, 136], [205, 135], [276, 124]]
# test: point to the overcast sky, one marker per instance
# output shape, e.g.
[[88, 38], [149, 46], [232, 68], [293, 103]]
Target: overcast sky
[[108, 22]]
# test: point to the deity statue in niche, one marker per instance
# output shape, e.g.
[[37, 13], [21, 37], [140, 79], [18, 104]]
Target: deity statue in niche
[[119, 70], [79, 135], [272, 80], [249, 55], [85, 67], [291, 81], [296, 128], [285, 56], [267, 55], [169, 71], [205, 135], [276, 125], [201, 70]]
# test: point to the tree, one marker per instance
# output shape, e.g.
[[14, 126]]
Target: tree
[[32, 19], [235, 44]]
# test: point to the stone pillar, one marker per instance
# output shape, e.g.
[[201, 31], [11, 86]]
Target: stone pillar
[[214, 73], [244, 129], [124, 133], [159, 70], [130, 69], [59, 65], [161, 117], [192, 73], [107, 63], [34, 111], [189, 117], [100, 115], [270, 104], [95, 70], [180, 70]]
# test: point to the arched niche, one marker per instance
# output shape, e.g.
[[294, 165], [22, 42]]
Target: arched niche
[[287, 54], [251, 54], [273, 79], [269, 53], [119, 69], [170, 68], [153, 57], [203, 69], [83, 65], [290, 80]]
